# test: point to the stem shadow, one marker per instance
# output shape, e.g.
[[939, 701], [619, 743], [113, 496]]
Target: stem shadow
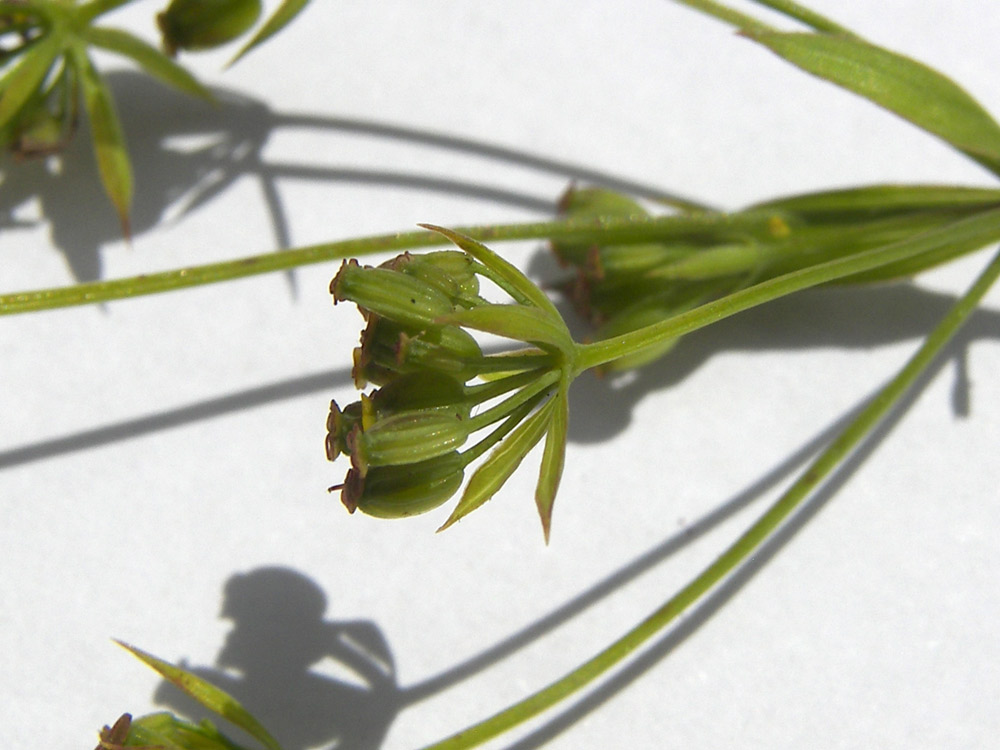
[[279, 636], [860, 318], [652, 654], [186, 152]]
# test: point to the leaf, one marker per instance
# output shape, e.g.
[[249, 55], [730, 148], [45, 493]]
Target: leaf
[[553, 458], [275, 23], [514, 322], [875, 201], [109, 144], [214, 699], [502, 462], [900, 84], [27, 76], [148, 57]]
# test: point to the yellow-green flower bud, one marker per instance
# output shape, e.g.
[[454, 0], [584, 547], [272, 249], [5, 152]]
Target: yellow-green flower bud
[[204, 24], [401, 491], [387, 350], [450, 271], [422, 391], [591, 203], [390, 294]]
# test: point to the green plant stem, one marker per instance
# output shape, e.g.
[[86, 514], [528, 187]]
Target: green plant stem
[[979, 230], [89, 11], [730, 16], [806, 16], [620, 230], [744, 547]]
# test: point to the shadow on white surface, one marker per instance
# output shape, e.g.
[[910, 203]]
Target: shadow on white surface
[[859, 318], [229, 141], [277, 657]]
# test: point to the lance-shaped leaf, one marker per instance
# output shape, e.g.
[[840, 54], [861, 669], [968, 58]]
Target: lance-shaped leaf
[[109, 144], [148, 57], [515, 322], [502, 462], [214, 699], [27, 76], [515, 283], [553, 458], [900, 84], [281, 17], [876, 201]]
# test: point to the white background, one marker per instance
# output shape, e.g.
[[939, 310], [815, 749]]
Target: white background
[[152, 450]]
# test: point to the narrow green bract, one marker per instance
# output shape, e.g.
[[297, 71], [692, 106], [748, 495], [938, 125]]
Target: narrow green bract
[[208, 695], [109, 143]]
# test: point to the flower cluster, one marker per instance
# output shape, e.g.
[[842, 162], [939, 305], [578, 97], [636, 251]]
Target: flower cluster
[[700, 256], [441, 402], [620, 288], [162, 730]]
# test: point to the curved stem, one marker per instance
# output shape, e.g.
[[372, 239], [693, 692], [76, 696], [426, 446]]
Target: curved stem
[[743, 548]]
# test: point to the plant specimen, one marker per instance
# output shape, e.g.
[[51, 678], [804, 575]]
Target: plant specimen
[[447, 414]]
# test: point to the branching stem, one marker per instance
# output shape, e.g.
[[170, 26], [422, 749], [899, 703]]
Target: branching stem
[[744, 547]]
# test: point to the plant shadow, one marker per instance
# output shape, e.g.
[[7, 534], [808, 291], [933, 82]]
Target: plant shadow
[[280, 628], [313, 682], [185, 152], [858, 319]]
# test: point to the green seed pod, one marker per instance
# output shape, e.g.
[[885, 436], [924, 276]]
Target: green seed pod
[[387, 347], [390, 294], [452, 270], [591, 203], [205, 24], [401, 491], [632, 260], [163, 729], [422, 391], [406, 438]]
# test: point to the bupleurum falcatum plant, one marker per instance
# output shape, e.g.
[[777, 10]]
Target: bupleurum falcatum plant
[[442, 414]]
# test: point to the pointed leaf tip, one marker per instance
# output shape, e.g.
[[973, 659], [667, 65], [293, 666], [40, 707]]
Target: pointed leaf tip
[[553, 459], [113, 161], [284, 15], [491, 475], [214, 699]]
